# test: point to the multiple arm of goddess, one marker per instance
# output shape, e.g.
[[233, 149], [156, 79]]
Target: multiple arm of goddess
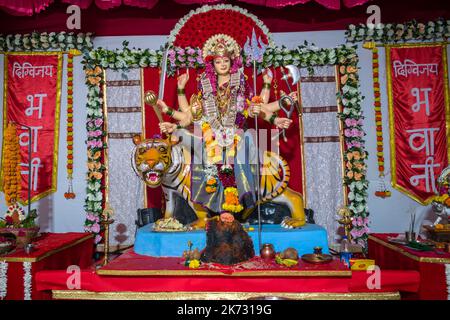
[[266, 111]]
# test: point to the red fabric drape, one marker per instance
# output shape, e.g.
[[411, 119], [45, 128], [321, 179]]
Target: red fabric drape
[[432, 275], [30, 7], [290, 150]]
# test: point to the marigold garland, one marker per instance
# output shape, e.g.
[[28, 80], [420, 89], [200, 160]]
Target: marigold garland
[[11, 165], [69, 140]]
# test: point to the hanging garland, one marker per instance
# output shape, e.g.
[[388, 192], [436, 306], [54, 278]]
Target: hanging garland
[[69, 140], [355, 154], [3, 279], [396, 32], [44, 41], [27, 281], [382, 192]]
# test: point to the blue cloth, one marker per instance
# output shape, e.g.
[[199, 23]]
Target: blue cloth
[[172, 244]]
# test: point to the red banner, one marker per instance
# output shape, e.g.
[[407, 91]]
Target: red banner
[[419, 117], [32, 99]]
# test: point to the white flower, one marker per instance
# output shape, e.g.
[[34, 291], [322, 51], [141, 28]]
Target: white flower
[[371, 26]]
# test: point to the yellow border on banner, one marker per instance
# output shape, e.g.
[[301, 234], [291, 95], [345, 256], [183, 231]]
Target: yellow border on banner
[[57, 122], [391, 111]]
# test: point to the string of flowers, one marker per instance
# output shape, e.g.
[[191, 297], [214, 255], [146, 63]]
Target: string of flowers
[[95, 146], [355, 154], [396, 32], [46, 41], [69, 140], [11, 165]]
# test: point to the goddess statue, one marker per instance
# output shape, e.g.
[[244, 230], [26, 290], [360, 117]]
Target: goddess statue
[[223, 181]]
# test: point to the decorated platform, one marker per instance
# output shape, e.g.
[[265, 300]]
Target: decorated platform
[[172, 244]]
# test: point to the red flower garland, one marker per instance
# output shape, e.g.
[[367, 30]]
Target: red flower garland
[[69, 167]]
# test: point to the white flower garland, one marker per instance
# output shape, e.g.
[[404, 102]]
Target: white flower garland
[[206, 8], [305, 56], [3, 279], [27, 278], [395, 32]]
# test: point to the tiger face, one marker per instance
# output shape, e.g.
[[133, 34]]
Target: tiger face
[[151, 159]]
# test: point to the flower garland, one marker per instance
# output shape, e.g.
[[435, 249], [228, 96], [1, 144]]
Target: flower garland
[[27, 286], [175, 33], [224, 173], [355, 154], [46, 41], [396, 32], [95, 146], [69, 140], [3, 279], [305, 56], [11, 165]]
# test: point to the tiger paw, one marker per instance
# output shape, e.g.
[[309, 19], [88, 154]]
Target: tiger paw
[[292, 223]]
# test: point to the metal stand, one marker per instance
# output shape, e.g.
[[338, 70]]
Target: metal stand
[[106, 223]]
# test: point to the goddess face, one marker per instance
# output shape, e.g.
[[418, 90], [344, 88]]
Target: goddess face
[[222, 65]]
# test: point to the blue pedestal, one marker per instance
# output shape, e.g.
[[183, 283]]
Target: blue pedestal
[[172, 244]]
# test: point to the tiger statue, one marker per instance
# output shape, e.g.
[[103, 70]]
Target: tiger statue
[[165, 162]]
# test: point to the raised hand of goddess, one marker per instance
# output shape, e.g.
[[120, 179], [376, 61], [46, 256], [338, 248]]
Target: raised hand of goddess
[[182, 80]]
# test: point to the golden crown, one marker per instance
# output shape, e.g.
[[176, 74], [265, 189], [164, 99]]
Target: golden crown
[[221, 45]]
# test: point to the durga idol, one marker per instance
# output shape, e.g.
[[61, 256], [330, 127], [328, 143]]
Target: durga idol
[[222, 182]]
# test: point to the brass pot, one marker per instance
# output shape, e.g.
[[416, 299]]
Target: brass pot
[[267, 251]]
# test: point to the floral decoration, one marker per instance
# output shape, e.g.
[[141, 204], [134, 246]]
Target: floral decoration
[[3, 279], [27, 280], [95, 146], [396, 32], [46, 41], [304, 56], [69, 139]]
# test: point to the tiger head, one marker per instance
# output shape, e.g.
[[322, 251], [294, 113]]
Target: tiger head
[[151, 159]]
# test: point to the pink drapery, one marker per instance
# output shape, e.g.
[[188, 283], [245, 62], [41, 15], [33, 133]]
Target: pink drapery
[[30, 7]]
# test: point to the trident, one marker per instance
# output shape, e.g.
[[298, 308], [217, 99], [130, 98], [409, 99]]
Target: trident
[[254, 50]]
